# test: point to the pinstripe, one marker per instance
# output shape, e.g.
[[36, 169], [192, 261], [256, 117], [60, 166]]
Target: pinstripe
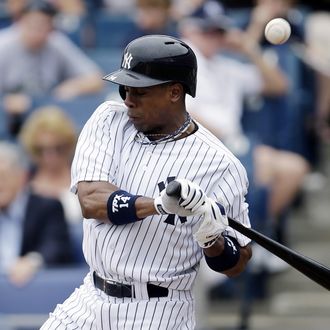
[[117, 240], [106, 241], [161, 314], [139, 247], [99, 155], [130, 175], [176, 248], [50, 325], [153, 313], [58, 326], [198, 168], [160, 261], [126, 316], [148, 251], [209, 165], [118, 315], [77, 309], [83, 315], [101, 317], [75, 306], [123, 249], [135, 313], [143, 316], [86, 301], [178, 313], [132, 239], [153, 250], [92, 147], [83, 138], [96, 247], [232, 193], [170, 316]]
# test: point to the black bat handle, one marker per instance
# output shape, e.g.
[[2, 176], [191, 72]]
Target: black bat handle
[[174, 189], [309, 267]]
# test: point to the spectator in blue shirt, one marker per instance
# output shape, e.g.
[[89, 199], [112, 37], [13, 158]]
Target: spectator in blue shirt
[[37, 61]]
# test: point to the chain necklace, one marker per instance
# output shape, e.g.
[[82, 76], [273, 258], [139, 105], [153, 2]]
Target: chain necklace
[[143, 138]]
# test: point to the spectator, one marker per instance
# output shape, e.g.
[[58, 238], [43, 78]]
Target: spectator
[[12, 10], [49, 138], [33, 231], [119, 6], [37, 61], [299, 119], [265, 10], [72, 7], [208, 35], [183, 8], [315, 53], [70, 18], [154, 17]]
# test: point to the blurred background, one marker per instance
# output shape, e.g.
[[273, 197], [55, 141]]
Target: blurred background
[[53, 55]]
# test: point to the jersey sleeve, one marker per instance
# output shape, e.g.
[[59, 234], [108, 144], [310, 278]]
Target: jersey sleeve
[[97, 151], [231, 192]]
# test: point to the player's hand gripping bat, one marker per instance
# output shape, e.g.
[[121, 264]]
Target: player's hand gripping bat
[[309, 267]]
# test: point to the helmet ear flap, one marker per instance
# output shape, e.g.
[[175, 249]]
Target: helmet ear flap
[[122, 92]]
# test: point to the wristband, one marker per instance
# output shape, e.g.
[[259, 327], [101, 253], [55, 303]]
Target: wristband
[[228, 258], [121, 207]]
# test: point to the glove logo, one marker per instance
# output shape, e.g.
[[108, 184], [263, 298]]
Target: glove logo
[[232, 245], [171, 217]]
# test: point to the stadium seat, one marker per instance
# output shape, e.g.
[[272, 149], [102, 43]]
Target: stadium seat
[[3, 124], [112, 30], [107, 59], [43, 293], [240, 16], [281, 121], [78, 109], [76, 233]]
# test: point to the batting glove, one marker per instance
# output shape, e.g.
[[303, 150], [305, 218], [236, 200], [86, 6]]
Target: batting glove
[[191, 202], [192, 196], [214, 223]]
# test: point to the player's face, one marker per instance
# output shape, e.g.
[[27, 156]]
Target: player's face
[[148, 108]]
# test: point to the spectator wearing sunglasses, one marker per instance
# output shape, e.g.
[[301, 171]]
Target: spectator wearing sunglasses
[[49, 137]]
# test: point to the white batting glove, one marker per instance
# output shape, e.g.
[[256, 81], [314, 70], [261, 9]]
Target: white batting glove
[[214, 223], [192, 196], [191, 202]]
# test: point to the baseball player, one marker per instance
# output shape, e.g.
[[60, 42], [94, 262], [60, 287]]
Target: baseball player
[[143, 246]]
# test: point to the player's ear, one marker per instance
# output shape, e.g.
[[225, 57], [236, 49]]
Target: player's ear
[[176, 91], [122, 92]]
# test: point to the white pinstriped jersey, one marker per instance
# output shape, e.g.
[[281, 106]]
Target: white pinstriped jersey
[[158, 249]]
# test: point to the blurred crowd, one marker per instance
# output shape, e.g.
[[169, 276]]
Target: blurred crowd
[[270, 104]]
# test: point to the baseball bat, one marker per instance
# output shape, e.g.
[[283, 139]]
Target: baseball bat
[[307, 266]]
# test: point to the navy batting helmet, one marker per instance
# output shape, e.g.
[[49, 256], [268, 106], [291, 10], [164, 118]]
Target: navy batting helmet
[[156, 59]]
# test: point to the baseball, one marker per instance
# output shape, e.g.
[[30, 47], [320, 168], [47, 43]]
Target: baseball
[[277, 31]]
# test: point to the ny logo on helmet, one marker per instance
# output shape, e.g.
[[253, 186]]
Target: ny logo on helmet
[[127, 61]]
